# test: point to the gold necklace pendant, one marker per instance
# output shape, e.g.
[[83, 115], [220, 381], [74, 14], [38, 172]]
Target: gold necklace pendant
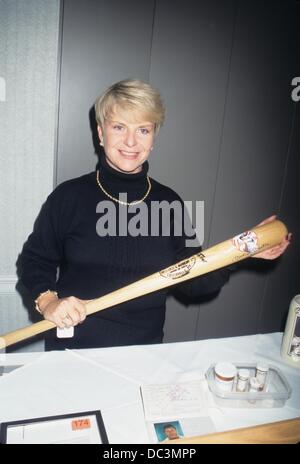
[[125, 203]]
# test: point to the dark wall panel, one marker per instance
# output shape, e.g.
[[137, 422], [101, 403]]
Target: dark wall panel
[[258, 121], [190, 64], [284, 282], [103, 42]]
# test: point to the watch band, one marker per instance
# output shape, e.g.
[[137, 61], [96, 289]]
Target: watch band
[[36, 301]]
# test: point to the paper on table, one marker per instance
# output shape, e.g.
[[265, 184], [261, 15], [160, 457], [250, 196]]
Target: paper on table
[[186, 399], [176, 411]]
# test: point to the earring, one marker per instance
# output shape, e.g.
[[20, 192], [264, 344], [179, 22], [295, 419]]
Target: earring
[[101, 143]]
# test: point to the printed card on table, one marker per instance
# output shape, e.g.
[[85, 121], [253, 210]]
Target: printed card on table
[[174, 411]]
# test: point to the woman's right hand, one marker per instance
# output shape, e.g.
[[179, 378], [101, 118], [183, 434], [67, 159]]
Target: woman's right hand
[[63, 312]]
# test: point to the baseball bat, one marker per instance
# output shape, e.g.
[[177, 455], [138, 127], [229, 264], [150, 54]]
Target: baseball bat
[[240, 247]]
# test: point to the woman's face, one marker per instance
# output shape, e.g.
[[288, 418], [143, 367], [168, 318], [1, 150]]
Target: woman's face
[[127, 144]]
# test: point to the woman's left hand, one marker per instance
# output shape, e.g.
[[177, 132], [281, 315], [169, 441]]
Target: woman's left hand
[[278, 250]]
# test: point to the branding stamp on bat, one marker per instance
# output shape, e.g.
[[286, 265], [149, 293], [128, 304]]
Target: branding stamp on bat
[[181, 269]]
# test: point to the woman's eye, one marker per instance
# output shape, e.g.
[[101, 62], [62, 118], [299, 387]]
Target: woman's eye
[[117, 127], [144, 131]]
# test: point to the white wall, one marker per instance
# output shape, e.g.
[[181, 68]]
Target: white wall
[[29, 36]]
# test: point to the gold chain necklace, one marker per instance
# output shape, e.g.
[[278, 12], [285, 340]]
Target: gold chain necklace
[[136, 202]]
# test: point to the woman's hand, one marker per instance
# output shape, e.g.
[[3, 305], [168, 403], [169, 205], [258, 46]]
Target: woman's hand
[[278, 250], [63, 312]]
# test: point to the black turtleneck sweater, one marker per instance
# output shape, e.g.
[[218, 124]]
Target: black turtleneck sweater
[[65, 238]]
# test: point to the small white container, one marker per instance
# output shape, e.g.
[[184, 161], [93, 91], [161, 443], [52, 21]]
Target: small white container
[[254, 385], [242, 380], [261, 374], [225, 373]]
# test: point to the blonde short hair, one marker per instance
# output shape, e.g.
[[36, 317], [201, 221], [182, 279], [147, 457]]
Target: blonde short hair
[[132, 96]]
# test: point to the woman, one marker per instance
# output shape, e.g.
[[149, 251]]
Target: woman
[[67, 235]]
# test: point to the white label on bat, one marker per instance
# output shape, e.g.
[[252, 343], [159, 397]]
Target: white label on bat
[[67, 332], [246, 242]]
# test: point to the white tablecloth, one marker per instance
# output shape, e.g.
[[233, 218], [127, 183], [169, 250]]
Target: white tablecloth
[[109, 379]]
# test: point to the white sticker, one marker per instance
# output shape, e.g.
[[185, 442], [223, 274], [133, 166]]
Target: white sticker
[[246, 242], [67, 332]]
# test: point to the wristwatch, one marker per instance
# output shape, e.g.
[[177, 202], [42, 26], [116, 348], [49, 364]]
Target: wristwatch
[[36, 301]]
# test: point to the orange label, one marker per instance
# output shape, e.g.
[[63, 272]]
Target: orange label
[[80, 424]]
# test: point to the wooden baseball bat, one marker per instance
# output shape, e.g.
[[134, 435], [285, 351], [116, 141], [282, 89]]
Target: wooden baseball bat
[[223, 254]]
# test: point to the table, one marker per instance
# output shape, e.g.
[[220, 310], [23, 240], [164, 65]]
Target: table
[[109, 379]]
